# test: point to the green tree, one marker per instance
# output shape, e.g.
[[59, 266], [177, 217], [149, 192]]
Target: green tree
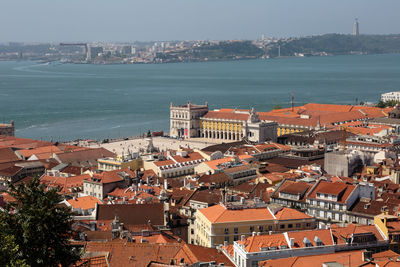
[[39, 226], [9, 255], [381, 104]]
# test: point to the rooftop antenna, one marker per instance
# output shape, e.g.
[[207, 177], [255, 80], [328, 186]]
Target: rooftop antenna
[[292, 101]]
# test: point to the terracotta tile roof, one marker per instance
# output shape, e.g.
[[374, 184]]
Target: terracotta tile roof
[[7, 155], [135, 254], [84, 158], [222, 147], [251, 189], [190, 157], [374, 207], [325, 114], [217, 178], [293, 187], [192, 254], [106, 177], [214, 164], [275, 167], [393, 226], [323, 234], [40, 152], [21, 143], [219, 214], [128, 213], [385, 255], [164, 162], [294, 163], [95, 261], [122, 192], [86, 202], [226, 114], [291, 214], [7, 198], [74, 170], [256, 243], [10, 171], [274, 177], [206, 196], [266, 147], [335, 189], [355, 257], [65, 183], [236, 169], [330, 188], [340, 234]]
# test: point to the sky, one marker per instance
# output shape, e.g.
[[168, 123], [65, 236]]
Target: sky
[[151, 20]]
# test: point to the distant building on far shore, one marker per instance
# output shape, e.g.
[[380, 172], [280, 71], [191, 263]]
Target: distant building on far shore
[[356, 30], [391, 96], [7, 129]]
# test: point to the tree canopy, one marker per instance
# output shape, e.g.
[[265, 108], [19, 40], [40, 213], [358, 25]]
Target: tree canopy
[[37, 227]]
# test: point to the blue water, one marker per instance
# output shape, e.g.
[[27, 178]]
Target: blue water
[[69, 101]]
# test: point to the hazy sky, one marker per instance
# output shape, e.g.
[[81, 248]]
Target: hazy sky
[[142, 20]]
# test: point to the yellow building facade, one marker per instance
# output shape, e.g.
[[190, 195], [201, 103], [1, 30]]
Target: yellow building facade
[[221, 129], [110, 164], [217, 225]]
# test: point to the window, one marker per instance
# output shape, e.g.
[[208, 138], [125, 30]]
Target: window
[[192, 231], [270, 228], [260, 228], [251, 229], [235, 238], [226, 239], [318, 203], [282, 226], [226, 231], [298, 225], [235, 230], [308, 224], [290, 225]]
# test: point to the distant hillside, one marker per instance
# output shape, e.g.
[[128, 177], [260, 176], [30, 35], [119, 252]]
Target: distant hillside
[[337, 44], [229, 50]]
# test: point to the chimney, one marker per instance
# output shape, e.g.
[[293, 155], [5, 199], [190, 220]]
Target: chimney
[[184, 181], [258, 233], [291, 242], [242, 238], [242, 200], [253, 234], [165, 183]]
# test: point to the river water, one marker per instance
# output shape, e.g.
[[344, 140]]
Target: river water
[[68, 101]]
